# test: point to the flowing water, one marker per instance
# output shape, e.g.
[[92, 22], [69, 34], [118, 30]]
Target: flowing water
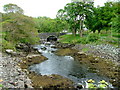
[[65, 66]]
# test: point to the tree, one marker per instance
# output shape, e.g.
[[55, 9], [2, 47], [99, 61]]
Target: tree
[[75, 13], [115, 24], [101, 18], [82, 0], [19, 28], [68, 14], [93, 20], [12, 8], [46, 24]]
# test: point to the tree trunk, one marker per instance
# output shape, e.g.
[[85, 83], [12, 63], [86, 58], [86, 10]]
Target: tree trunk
[[106, 31], [80, 32], [74, 32], [93, 31], [98, 31]]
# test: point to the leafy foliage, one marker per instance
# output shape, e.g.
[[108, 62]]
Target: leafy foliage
[[19, 28], [92, 37], [74, 14], [45, 24], [12, 8], [115, 21], [103, 18]]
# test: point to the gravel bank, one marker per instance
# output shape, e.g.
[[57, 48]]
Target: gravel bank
[[105, 51], [11, 73]]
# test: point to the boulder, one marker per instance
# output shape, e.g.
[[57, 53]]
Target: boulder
[[81, 53], [23, 47], [44, 48], [79, 86], [64, 45], [13, 53]]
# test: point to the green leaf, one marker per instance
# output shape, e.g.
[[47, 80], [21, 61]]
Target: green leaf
[[1, 85]]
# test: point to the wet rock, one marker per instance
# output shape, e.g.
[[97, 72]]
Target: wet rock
[[28, 83], [22, 46], [47, 43], [13, 53], [64, 45], [53, 47], [26, 71], [32, 59], [44, 48], [79, 87], [94, 61], [26, 48], [13, 83], [27, 86], [50, 81], [115, 82], [81, 53], [52, 51], [9, 51], [66, 51]]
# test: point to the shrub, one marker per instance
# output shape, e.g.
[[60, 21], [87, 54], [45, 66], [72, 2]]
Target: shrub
[[116, 35], [1, 85], [7, 45], [82, 40], [21, 29], [92, 37]]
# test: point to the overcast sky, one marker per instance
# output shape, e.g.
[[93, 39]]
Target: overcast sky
[[37, 8]]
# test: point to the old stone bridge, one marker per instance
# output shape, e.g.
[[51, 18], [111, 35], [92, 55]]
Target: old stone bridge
[[50, 36]]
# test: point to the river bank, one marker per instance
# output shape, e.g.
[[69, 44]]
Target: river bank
[[22, 77], [14, 73], [105, 51], [102, 59], [11, 75]]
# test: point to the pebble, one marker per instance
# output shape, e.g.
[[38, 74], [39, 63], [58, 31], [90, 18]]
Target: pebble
[[11, 74], [105, 51]]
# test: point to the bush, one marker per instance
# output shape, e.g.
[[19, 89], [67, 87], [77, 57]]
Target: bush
[[21, 29], [7, 45], [92, 37], [82, 40], [117, 35]]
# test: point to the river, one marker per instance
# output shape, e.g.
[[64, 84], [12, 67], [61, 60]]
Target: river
[[65, 66]]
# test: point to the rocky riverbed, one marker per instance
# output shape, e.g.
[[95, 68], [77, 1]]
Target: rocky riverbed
[[104, 51], [11, 75], [102, 59], [14, 73]]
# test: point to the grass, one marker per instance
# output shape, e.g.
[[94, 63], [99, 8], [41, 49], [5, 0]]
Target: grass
[[104, 38], [85, 49], [69, 38]]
